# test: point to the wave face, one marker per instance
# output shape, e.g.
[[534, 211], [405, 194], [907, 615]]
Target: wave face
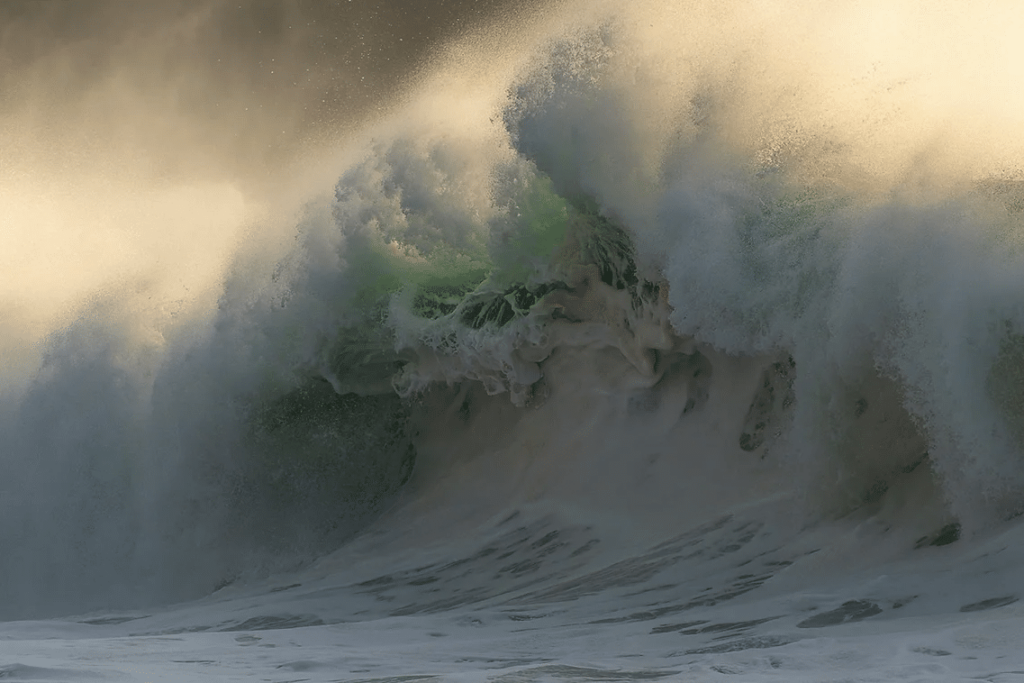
[[643, 271]]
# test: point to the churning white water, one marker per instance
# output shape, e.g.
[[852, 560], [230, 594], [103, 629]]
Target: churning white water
[[667, 341]]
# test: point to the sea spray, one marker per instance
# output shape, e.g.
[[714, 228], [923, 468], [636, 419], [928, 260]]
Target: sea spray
[[769, 245]]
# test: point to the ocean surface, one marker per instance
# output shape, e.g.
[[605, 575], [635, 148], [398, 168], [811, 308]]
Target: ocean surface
[[539, 342]]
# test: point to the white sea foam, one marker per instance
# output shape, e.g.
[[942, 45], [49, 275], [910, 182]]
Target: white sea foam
[[704, 325]]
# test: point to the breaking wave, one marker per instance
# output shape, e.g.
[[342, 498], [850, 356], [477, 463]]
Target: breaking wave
[[650, 260]]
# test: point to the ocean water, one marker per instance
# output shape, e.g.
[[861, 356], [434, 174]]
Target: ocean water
[[580, 341]]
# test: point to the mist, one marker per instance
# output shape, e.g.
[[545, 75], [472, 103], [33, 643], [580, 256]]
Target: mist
[[141, 142], [157, 161]]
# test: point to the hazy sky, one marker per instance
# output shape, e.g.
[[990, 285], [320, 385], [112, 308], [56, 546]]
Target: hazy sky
[[235, 84]]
